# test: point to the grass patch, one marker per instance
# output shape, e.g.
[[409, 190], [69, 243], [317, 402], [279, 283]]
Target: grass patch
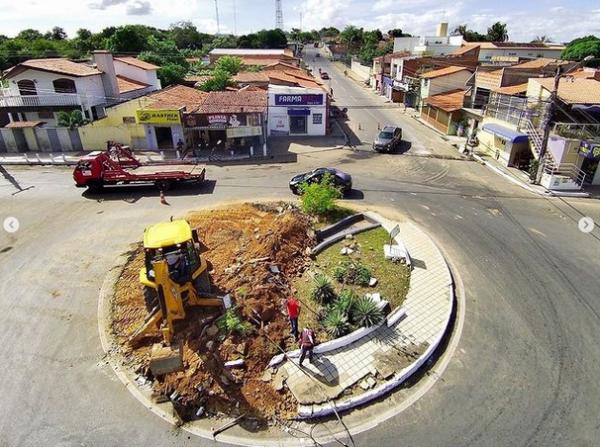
[[332, 216], [393, 279]]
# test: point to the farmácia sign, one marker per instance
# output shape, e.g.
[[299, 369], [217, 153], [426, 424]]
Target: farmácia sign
[[298, 100]]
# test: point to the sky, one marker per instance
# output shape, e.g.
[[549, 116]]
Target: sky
[[526, 19]]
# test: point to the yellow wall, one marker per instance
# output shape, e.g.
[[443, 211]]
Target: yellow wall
[[488, 141], [111, 128]]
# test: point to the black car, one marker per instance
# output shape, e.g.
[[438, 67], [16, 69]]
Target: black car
[[388, 139], [340, 179]]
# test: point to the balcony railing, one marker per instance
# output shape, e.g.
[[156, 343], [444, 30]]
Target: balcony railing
[[57, 99]]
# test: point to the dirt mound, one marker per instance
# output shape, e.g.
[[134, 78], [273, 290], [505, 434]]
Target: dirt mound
[[254, 252]]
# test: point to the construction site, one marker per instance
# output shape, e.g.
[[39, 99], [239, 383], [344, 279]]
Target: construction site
[[252, 254]]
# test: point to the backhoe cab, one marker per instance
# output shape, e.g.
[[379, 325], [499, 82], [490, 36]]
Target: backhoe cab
[[174, 277]]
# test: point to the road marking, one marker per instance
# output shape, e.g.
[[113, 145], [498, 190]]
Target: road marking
[[11, 224], [586, 224]]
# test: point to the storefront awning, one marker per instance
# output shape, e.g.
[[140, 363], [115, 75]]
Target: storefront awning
[[506, 133], [298, 112]]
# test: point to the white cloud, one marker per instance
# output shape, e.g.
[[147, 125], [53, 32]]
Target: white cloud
[[139, 8], [382, 5], [321, 13]]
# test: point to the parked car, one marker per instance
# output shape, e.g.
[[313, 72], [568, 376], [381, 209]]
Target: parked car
[[324, 75], [388, 139], [341, 179]]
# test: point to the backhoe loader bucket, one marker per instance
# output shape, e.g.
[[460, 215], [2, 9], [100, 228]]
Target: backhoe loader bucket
[[165, 359]]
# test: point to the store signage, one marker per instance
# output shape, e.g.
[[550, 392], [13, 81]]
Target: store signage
[[401, 85], [158, 117], [590, 150], [217, 119], [248, 131], [295, 100]]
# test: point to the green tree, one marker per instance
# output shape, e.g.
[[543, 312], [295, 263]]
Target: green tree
[[542, 39], [319, 198], [330, 31], [225, 41], [397, 32], [171, 74], [219, 81], [58, 33], [30, 34], [185, 35], [581, 48], [352, 36], [470, 35], [230, 64], [129, 39], [71, 119], [497, 32]]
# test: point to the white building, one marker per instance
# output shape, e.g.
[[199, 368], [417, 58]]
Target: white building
[[512, 52], [439, 45], [39, 88], [296, 111]]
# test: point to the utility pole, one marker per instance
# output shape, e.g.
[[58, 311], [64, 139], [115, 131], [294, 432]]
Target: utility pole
[[547, 123], [217, 15]]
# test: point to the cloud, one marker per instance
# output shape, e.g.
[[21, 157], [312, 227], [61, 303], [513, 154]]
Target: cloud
[[321, 13], [139, 8], [104, 4]]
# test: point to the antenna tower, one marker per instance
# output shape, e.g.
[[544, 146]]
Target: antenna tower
[[278, 15], [217, 14]]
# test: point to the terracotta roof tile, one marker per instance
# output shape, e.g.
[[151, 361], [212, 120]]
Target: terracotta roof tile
[[443, 72], [176, 97], [464, 49], [137, 63], [234, 102], [573, 90], [126, 85], [24, 124], [448, 102], [55, 65], [512, 89]]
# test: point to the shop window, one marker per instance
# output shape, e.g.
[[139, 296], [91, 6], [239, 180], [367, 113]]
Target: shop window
[[253, 120], [317, 118]]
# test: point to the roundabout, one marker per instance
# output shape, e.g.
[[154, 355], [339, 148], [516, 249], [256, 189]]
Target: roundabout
[[350, 372]]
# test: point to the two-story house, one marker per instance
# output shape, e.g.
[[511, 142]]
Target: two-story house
[[40, 88], [441, 98]]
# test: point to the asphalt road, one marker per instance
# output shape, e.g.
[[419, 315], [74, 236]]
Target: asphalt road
[[525, 371]]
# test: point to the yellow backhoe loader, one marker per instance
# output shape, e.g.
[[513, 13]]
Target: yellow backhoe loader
[[174, 277]]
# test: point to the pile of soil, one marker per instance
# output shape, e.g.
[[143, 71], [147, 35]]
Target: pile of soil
[[254, 252]]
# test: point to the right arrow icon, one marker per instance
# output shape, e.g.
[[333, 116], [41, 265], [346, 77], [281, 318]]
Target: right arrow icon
[[586, 224]]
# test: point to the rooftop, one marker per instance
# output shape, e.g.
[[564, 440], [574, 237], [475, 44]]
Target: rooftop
[[24, 124], [512, 89], [137, 63], [54, 65], [176, 97], [242, 101], [251, 52], [443, 72], [519, 45], [572, 90], [448, 102], [126, 85]]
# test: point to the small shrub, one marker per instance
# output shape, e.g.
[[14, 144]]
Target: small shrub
[[319, 198], [365, 312], [344, 301], [533, 169], [231, 322], [351, 272], [322, 290], [336, 323]]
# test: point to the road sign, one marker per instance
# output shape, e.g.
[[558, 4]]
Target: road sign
[[395, 231]]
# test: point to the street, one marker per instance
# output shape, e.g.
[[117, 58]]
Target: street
[[525, 369]]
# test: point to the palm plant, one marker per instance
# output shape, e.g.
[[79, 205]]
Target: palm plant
[[336, 323], [366, 313], [322, 290]]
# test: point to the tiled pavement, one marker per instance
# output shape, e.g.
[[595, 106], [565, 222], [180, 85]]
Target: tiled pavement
[[388, 353]]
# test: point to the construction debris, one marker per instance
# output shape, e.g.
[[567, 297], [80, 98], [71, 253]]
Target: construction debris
[[208, 378]]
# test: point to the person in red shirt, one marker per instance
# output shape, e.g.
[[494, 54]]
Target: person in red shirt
[[307, 344], [293, 310]]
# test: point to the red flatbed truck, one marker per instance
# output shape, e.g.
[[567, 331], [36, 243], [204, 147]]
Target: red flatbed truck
[[118, 166]]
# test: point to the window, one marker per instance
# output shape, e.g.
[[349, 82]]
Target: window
[[64, 85], [45, 115], [26, 87], [317, 118]]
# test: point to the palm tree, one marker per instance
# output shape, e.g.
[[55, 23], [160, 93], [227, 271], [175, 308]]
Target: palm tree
[[542, 39], [497, 32]]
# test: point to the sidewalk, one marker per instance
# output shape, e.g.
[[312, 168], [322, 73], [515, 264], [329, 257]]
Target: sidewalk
[[521, 179], [373, 365]]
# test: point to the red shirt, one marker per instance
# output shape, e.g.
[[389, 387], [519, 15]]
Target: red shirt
[[293, 308]]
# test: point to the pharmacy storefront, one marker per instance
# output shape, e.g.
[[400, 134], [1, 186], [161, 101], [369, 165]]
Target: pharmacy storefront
[[297, 111]]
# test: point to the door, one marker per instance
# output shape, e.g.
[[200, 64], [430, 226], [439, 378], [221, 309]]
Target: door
[[297, 124], [164, 137]]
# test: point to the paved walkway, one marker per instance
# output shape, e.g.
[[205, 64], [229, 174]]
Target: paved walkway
[[388, 355]]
